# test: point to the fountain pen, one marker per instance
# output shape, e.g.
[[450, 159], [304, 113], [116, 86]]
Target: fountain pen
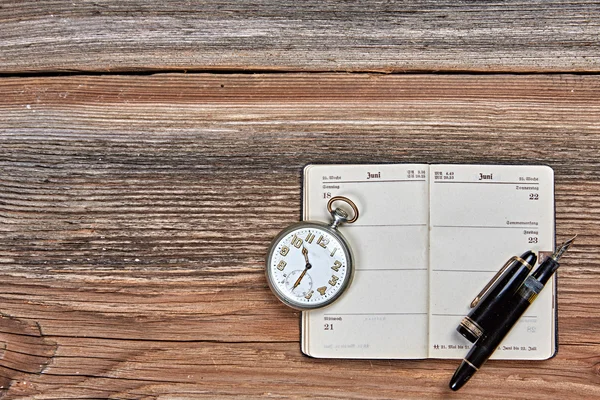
[[510, 312]]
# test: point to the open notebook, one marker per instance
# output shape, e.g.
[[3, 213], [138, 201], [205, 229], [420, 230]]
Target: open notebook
[[428, 239]]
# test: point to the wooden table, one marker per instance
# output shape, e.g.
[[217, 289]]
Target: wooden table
[[149, 151]]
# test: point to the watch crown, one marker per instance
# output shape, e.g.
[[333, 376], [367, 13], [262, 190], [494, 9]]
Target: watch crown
[[339, 216]]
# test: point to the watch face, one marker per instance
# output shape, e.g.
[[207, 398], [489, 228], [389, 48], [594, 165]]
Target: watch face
[[309, 265]]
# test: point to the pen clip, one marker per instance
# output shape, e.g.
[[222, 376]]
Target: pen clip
[[491, 283]]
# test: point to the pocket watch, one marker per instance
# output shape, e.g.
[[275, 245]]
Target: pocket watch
[[310, 264]]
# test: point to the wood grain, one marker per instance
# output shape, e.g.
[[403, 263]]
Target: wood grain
[[373, 35], [135, 213]]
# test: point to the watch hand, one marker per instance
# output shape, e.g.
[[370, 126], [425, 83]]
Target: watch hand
[[299, 278], [308, 266], [305, 254]]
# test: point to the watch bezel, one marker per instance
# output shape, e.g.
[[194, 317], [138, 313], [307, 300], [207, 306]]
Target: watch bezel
[[284, 298]]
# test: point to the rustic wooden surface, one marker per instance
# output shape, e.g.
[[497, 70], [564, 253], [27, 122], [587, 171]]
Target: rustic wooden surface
[[136, 208], [309, 35]]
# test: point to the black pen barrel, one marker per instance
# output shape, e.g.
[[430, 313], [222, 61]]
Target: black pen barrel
[[546, 270], [486, 315], [509, 312], [513, 310], [482, 350]]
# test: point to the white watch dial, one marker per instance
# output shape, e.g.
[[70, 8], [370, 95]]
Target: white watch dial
[[308, 266]]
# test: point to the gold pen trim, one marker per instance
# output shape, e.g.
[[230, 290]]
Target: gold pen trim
[[467, 361], [524, 262], [532, 298], [472, 326], [496, 277]]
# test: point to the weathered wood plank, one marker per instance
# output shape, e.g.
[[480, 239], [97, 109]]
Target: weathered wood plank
[[109, 35], [243, 370], [135, 212]]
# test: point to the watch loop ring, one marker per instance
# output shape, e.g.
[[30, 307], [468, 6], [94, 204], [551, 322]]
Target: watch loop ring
[[347, 201]]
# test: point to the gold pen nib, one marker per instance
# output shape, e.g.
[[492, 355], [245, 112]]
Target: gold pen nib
[[560, 250]]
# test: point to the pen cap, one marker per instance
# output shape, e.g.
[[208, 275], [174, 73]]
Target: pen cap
[[491, 302]]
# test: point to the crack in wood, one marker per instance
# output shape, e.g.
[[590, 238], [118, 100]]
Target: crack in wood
[[25, 350]]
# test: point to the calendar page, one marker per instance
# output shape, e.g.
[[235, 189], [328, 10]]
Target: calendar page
[[429, 237]]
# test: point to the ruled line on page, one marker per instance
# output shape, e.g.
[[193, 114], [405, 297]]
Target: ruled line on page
[[392, 269], [462, 315], [378, 181], [382, 225], [368, 314], [463, 270], [490, 183], [521, 226]]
